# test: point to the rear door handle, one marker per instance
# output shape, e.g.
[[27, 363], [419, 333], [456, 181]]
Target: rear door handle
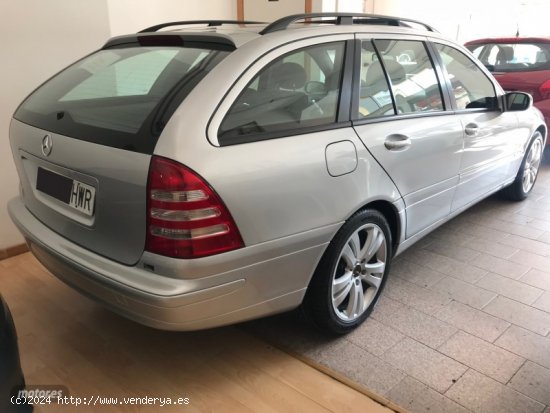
[[397, 142], [471, 129]]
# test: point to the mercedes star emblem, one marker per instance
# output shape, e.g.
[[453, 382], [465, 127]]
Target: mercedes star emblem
[[47, 145]]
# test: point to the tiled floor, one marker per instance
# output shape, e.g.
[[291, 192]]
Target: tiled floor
[[69, 341], [464, 323]]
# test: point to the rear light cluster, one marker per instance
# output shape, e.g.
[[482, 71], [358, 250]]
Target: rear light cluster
[[185, 217], [544, 90]]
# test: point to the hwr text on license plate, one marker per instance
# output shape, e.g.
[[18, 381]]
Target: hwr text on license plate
[[82, 197], [72, 192]]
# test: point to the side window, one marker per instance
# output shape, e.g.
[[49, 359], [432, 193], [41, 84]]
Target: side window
[[374, 94], [471, 88], [493, 55], [298, 90], [477, 51], [513, 57], [414, 84]]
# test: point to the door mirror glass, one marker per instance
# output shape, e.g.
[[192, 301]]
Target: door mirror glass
[[518, 101]]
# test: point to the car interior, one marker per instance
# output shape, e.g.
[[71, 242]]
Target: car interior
[[298, 90], [513, 57]]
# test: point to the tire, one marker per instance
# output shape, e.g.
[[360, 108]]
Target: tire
[[351, 274], [528, 171]]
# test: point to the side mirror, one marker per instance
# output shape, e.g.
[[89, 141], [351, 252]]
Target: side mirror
[[517, 101]]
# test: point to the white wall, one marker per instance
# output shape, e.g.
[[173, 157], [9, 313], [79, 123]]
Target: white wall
[[353, 6], [464, 20], [40, 37], [37, 39], [129, 16], [264, 10]]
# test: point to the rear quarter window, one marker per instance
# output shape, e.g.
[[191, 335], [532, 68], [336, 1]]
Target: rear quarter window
[[294, 93]]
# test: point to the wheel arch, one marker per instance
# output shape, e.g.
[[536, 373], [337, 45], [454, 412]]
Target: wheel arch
[[315, 306], [543, 132], [389, 211]]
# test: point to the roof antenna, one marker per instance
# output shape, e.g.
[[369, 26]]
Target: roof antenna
[[517, 29]]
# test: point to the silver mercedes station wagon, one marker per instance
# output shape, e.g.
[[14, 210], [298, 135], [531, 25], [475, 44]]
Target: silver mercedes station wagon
[[202, 173]]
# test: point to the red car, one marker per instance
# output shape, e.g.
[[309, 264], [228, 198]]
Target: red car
[[519, 63]]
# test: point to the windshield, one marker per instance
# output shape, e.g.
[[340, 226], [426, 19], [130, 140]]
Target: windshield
[[513, 57], [120, 97]]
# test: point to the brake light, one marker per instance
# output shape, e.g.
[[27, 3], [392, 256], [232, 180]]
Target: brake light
[[544, 90], [185, 216]]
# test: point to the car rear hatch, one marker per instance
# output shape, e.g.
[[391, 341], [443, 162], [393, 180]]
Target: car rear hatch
[[82, 142]]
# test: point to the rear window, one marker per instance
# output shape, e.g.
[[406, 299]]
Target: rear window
[[513, 57], [120, 97]]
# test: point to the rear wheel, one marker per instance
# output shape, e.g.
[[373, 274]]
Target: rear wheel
[[528, 171], [351, 275]]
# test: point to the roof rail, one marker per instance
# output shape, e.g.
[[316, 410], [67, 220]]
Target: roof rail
[[343, 18], [209, 23]]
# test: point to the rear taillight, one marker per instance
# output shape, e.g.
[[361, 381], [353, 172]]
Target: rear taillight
[[544, 90], [185, 217]]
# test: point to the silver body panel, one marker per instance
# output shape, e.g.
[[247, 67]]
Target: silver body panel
[[426, 172], [489, 158], [117, 229], [288, 196]]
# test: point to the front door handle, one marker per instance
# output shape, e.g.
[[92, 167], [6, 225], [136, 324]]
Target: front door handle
[[471, 129], [397, 142]]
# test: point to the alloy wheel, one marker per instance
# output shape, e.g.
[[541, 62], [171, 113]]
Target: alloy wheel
[[359, 272], [532, 164]]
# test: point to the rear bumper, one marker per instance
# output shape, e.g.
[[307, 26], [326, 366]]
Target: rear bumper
[[166, 302]]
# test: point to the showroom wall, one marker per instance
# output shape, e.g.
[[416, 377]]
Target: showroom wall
[[263, 10], [127, 16], [471, 19], [354, 6], [38, 38]]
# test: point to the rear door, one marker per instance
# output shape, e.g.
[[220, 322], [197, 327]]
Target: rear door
[[401, 117], [82, 142], [492, 145], [291, 161]]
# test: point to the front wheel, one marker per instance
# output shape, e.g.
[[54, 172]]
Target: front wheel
[[351, 274], [528, 171]]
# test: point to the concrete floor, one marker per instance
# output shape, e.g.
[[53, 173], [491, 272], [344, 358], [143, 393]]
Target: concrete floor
[[464, 322]]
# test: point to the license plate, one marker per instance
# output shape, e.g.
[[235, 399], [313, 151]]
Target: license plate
[[76, 194]]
